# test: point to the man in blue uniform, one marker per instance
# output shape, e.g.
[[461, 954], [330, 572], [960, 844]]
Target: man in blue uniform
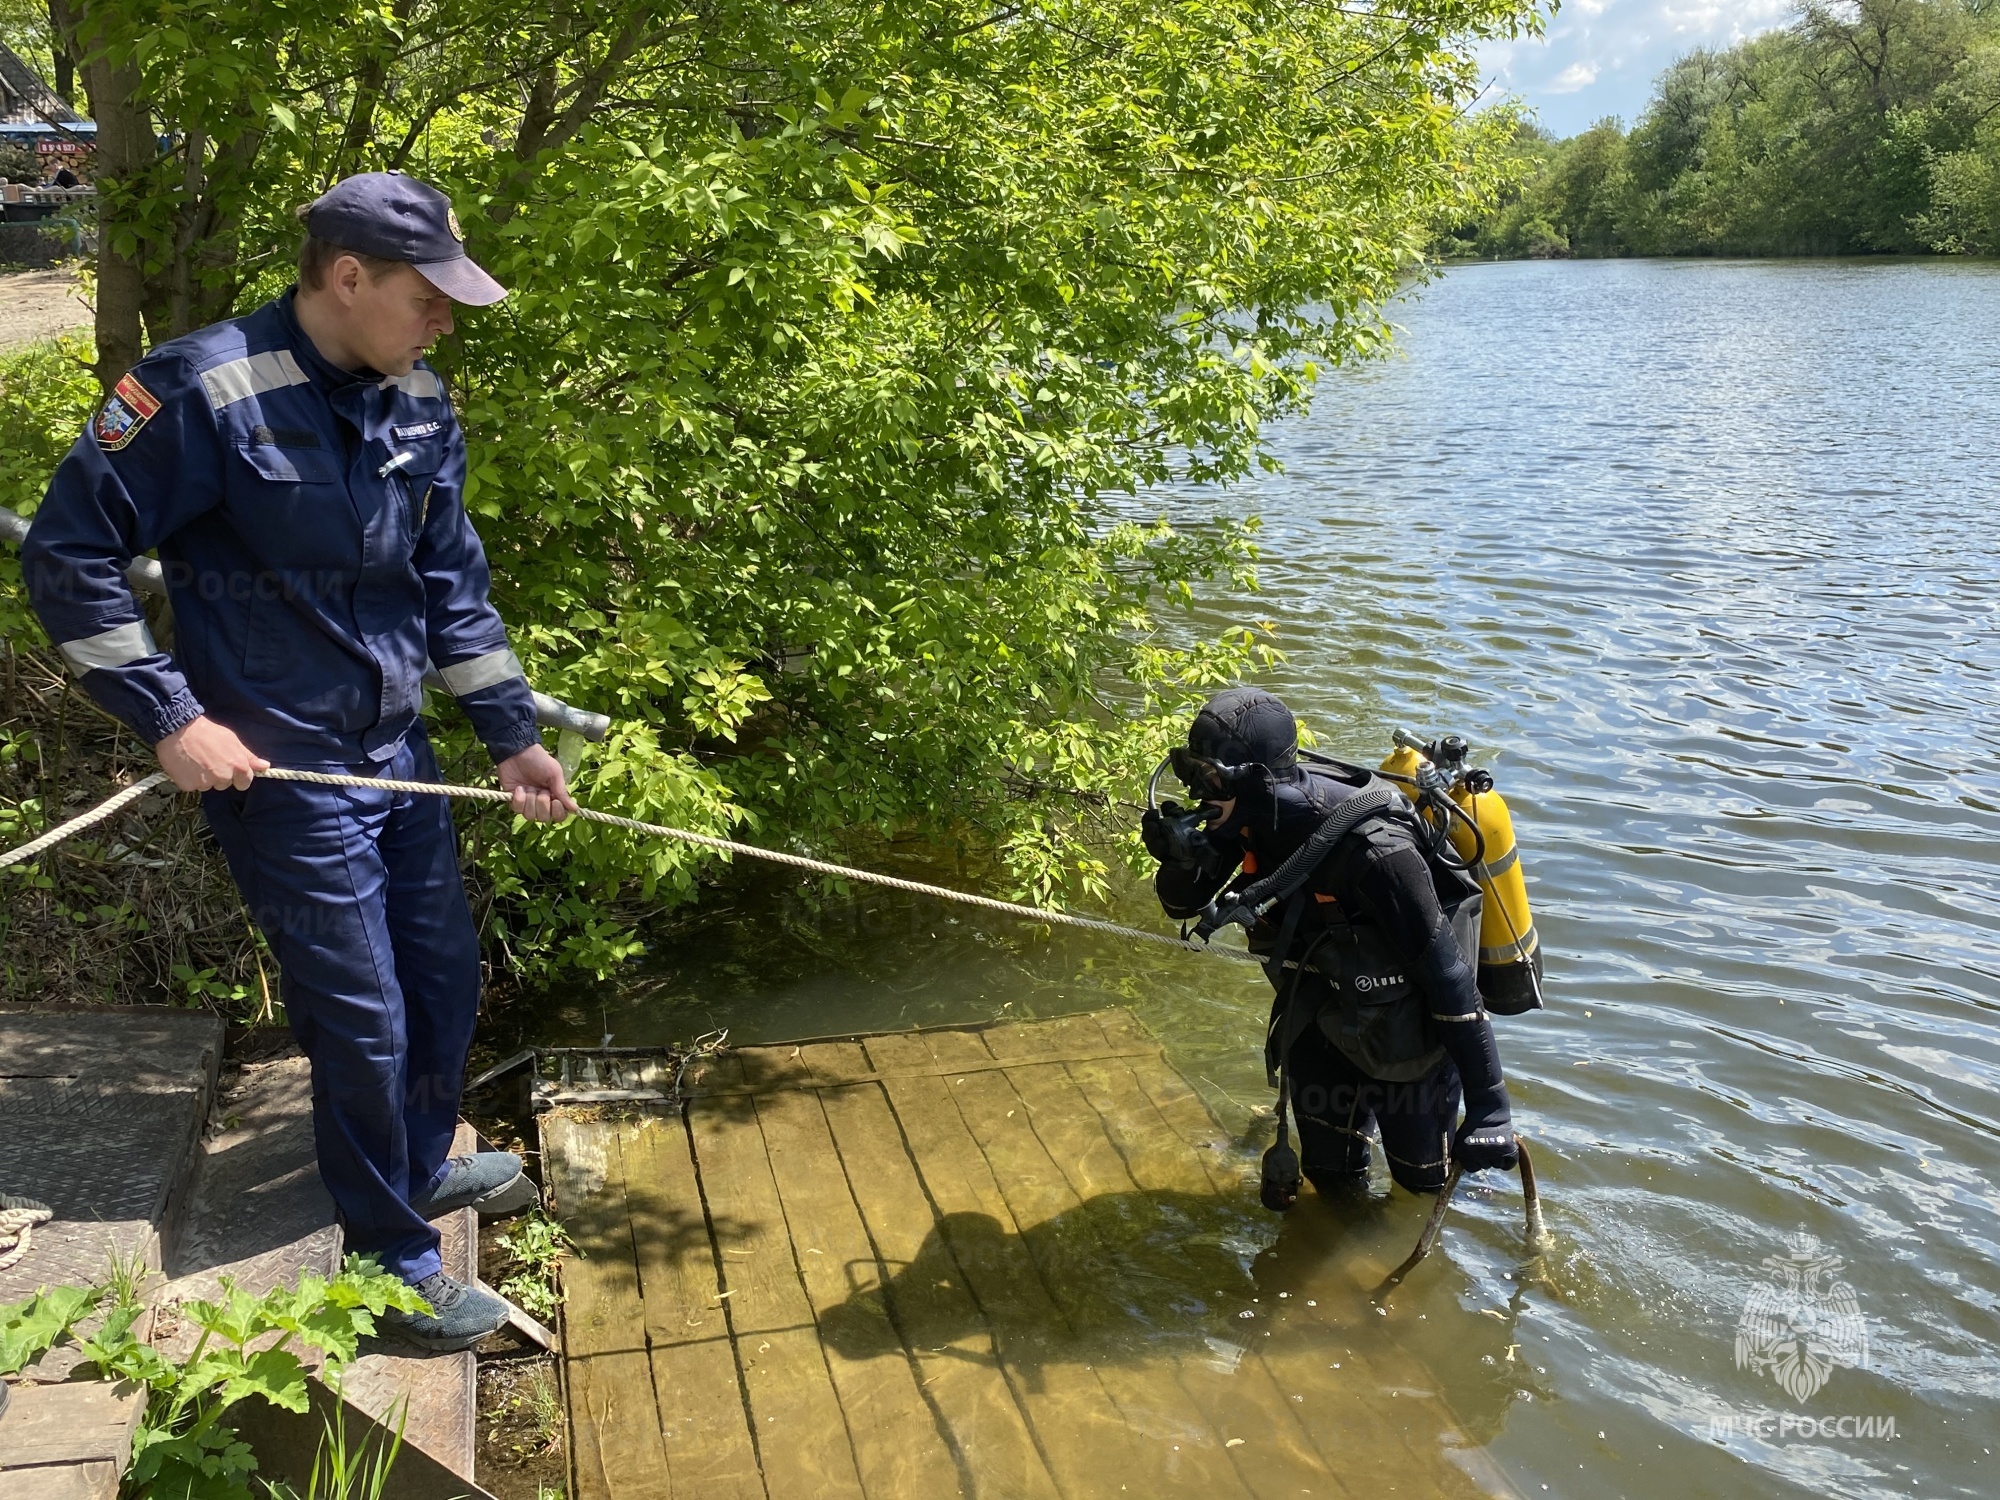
[[300, 473]]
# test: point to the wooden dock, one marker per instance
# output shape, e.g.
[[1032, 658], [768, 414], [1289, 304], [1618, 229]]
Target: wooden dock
[[1009, 1261]]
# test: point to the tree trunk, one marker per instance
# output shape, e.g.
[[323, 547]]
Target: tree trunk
[[126, 148], [62, 32]]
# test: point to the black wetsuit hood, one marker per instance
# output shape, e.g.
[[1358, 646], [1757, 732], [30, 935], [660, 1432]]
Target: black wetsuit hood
[[1244, 727]]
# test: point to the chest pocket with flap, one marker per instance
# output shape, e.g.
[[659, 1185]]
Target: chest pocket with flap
[[290, 464]]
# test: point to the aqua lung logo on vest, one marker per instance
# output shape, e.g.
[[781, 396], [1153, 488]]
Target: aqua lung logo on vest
[[1368, 982], [1803, 1324]]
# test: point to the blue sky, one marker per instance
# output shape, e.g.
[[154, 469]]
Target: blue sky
[[1599, 57]]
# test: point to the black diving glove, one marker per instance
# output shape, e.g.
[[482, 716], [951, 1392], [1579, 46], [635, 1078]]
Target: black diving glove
[[1172, 834], [1488, 1142], [1484, 1140]]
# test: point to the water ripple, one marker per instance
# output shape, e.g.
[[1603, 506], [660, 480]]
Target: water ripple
[[1699, 552]]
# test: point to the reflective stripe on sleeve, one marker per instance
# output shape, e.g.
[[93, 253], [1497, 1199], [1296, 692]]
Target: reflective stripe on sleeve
[[481, 672], [240, 379], [1477, 1015], [114, 648]]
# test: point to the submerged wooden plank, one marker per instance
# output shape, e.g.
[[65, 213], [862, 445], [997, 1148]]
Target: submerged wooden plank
[[897, 1447], [1377, 1440], [702, 1422], [1063, 1175], [801, 1432], [1002, 1261], [616, 1452], [1077, 1425], [775, 1070], [929, 1306]]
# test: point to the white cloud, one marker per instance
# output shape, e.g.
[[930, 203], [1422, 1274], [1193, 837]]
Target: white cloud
[[1580, 75], [1600, 57]]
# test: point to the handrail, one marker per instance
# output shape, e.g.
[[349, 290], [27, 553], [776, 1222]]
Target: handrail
[[147, 577]]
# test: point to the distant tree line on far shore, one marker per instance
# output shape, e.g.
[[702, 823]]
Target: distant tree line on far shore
[[1864, 127]]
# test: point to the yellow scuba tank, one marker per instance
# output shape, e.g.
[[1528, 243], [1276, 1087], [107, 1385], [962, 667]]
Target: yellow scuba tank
[[1510, 955], [1401, 768]]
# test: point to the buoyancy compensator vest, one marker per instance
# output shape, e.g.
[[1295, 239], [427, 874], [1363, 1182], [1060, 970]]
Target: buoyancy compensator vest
[[1335, 967], [1369, 1005], [1330, 964]]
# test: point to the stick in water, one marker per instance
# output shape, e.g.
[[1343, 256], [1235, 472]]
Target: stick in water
[[1539, 1237], [1428, 1238], [1538, 1234]]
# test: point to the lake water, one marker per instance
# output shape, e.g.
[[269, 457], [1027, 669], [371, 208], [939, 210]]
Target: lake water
[[1701, 556]]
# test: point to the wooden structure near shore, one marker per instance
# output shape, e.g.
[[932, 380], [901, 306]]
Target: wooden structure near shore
[[958, 1262]]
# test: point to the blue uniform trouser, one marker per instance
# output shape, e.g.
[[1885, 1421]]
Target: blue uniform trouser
[[358, 893]]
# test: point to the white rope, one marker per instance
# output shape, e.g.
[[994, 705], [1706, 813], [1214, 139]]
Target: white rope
[[82, 821], [131, 793]]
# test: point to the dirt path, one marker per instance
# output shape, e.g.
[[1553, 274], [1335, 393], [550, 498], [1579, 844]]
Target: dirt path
[[38, 305]]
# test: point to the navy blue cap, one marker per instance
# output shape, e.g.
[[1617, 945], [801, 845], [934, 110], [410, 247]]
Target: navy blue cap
[[394, 217]]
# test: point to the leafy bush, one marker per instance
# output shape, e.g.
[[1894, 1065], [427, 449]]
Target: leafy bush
[[248, 1347], [46, 395], [19, 163]]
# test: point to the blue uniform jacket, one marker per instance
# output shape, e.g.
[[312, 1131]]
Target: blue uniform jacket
[[312, 529]]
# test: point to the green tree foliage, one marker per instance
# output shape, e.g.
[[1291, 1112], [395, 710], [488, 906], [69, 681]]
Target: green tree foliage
[[1556, 199], [25, 31], [839, 334], [1867, 126]]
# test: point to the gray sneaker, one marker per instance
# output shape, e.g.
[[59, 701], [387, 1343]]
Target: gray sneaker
[[491, 1182], [460, 1316]]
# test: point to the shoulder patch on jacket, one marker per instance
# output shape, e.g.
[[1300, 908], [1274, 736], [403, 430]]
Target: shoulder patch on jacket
[[128, 408], [240, 379], [421, 383]]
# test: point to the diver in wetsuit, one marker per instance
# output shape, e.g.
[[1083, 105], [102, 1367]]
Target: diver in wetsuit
[[1377, 1024]]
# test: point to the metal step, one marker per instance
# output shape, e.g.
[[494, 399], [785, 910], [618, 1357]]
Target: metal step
[[101, 1112]]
